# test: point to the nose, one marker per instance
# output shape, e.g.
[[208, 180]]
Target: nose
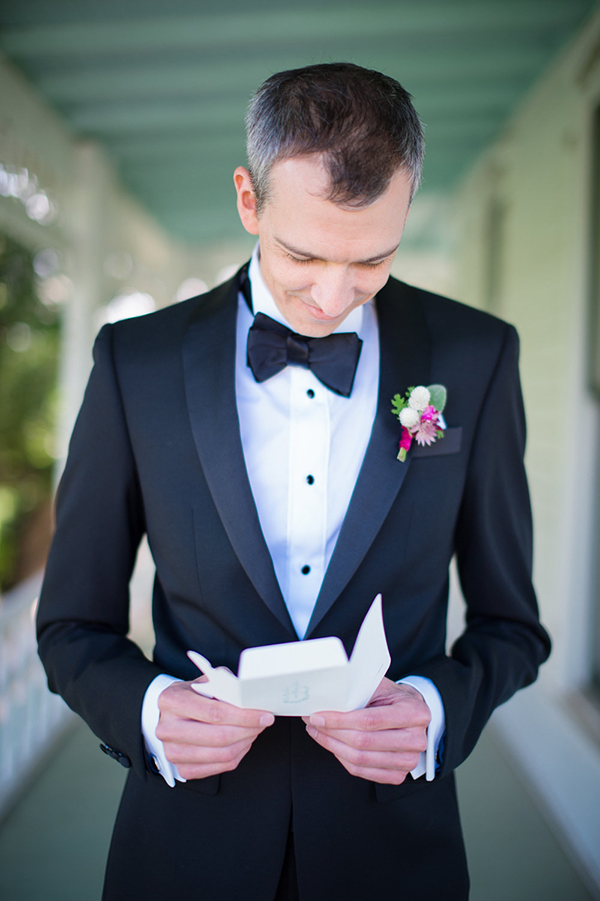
[[333, 290]]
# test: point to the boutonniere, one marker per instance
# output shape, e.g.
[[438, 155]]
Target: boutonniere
[[420, 415]]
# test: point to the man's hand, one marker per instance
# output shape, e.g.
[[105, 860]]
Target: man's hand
[[203, 736], [383, 741]]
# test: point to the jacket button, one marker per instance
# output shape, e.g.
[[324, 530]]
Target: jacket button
[[116, 755]]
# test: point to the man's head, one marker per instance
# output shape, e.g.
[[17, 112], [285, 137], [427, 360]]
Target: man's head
[[334, 155], [361, 122]]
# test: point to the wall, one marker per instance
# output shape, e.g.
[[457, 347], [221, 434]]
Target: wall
[[524, 254]]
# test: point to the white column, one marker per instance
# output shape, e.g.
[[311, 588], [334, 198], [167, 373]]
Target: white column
[[86, 225]]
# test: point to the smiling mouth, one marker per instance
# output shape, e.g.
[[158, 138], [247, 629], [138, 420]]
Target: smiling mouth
[[317, 312]]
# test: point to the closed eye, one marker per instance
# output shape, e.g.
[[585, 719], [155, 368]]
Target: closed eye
[[365, 265], [368, 265], [297, 259]]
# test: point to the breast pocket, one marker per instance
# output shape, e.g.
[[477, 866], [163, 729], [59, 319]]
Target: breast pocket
[[449, 444]]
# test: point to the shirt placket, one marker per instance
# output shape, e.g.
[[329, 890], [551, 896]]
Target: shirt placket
[[307, 497]]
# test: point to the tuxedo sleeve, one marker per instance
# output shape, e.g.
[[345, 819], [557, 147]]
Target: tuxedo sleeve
[[503, 643], [83, 616]]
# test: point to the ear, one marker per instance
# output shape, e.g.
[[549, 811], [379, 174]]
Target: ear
[[246, 200]]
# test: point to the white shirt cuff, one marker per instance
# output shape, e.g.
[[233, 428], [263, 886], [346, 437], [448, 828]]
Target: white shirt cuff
[[150, 717], [436, 728]]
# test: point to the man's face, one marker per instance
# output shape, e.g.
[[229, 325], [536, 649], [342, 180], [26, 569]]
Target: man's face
[[320, 260]]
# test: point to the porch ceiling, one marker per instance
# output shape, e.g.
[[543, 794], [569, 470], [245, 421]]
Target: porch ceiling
[[164, 86]]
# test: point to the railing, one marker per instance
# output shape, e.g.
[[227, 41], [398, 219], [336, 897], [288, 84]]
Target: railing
[[30, 716]]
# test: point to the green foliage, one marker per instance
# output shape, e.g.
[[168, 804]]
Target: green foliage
[[29, 347], [438, 397], [398, 404]]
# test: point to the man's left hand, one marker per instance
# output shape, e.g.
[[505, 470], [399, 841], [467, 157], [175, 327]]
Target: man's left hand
[[383, 741]]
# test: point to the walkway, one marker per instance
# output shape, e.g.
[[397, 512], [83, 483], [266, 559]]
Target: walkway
[[54, 843]]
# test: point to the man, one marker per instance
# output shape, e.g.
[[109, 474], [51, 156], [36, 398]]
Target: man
[[276, 508]]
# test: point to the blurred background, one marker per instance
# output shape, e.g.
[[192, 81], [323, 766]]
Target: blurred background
[[120, 126]]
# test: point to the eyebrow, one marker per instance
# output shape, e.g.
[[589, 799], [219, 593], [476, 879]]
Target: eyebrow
[[304, 253]]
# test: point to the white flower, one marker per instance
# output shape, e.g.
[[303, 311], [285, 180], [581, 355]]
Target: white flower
[[409, 417], [419, 399]]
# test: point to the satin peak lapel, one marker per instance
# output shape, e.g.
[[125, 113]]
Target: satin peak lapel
[[209, 371], [405, 348]]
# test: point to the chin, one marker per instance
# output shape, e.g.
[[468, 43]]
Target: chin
[[316, 332]]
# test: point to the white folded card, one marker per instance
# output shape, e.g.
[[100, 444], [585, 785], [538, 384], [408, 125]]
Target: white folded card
[[299, 678]]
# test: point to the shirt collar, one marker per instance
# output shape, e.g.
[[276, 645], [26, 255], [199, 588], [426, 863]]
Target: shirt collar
[[262, 301]]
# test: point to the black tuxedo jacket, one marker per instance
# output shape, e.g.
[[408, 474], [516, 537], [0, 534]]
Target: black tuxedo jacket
[[157, 449]]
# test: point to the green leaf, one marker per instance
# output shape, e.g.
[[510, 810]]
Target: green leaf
[[438, 397], [398, 404]]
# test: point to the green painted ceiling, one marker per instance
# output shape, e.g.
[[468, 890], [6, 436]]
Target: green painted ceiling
[[163, 86]]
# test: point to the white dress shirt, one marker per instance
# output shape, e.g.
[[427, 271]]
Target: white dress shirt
[[303, 447]]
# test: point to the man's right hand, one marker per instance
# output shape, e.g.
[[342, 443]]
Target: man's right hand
[[203, 736]]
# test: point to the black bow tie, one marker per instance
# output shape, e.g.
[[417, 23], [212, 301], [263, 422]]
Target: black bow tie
[[272, 347], [333, 359]]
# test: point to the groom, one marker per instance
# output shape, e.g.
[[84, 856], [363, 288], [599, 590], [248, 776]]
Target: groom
[[249, 433]]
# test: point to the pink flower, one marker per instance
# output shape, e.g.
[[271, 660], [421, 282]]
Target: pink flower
[[405, 443], [429, 413], [426, 431]]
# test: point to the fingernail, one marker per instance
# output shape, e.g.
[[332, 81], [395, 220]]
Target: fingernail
[[267, 719], [316, 720]]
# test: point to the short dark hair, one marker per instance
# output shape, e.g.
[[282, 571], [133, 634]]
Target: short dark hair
[[361, 121]]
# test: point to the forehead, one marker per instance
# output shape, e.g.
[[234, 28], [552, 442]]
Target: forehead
[[299, 214]]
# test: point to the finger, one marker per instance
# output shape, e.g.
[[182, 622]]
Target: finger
[[181, 700], [383, 777], [404, 713], [175, 729], [191, 770], [392, 740], [200, 771], [222, 713], [358, 760], [226, 757]]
